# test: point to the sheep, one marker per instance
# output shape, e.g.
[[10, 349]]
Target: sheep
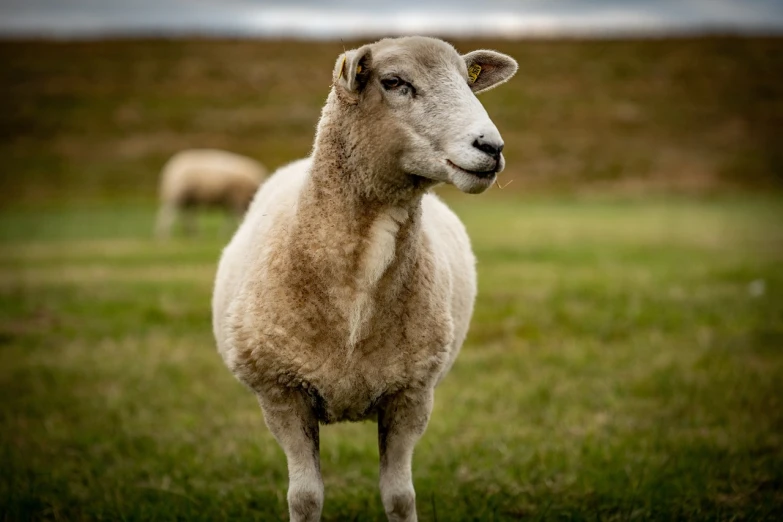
[[205, 177], [346, 293]]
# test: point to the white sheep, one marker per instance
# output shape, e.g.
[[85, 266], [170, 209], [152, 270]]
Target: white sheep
[[347, 291], [205, 178]]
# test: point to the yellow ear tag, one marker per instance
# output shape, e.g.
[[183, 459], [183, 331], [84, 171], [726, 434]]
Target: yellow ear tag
[[358, 69], [342, 68], [473, 72]]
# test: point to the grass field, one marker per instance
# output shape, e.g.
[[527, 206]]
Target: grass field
[[625, 360], [624, 363]]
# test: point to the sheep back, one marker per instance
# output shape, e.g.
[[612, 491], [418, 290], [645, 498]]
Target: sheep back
[[210, 177]]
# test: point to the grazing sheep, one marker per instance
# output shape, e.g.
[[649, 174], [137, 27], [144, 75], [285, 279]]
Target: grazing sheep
[[205, 177], [347, 291]]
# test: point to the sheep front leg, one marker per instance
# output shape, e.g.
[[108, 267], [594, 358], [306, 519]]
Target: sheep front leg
[[165, 220], [294, 425], [401, 422]]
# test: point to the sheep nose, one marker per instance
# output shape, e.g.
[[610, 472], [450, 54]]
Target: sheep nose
[[489, 147]]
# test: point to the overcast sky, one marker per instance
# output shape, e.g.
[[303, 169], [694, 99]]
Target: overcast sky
[[354, 18]]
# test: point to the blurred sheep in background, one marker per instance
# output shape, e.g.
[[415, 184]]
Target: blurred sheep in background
[[201, 178]]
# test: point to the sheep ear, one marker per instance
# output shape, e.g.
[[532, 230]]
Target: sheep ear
[[352, 70], [486, 69]]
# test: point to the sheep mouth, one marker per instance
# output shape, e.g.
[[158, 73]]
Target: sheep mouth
[[483, 174]]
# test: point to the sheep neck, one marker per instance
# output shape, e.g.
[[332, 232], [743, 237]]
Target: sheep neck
[[366, 223], [359, 224]]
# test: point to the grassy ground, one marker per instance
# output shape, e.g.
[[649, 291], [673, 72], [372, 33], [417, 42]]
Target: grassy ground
[[625, 356], [624, 363]]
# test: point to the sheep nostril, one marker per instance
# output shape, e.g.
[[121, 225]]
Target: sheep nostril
[[492, 149]]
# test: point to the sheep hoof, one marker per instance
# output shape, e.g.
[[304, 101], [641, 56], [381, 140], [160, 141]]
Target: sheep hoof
[[305, 506], [400, 507]]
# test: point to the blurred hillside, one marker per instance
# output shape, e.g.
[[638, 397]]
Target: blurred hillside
[[86, 121]]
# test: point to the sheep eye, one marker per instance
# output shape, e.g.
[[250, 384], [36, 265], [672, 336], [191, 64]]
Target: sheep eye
[[392, 83]]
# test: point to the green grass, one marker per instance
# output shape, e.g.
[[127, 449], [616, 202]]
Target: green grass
[[620, 366], [626, 355]]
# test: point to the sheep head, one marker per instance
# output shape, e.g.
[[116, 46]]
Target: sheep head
[[416, 100]]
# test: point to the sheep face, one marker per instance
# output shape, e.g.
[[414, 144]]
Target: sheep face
[[417, 100]]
